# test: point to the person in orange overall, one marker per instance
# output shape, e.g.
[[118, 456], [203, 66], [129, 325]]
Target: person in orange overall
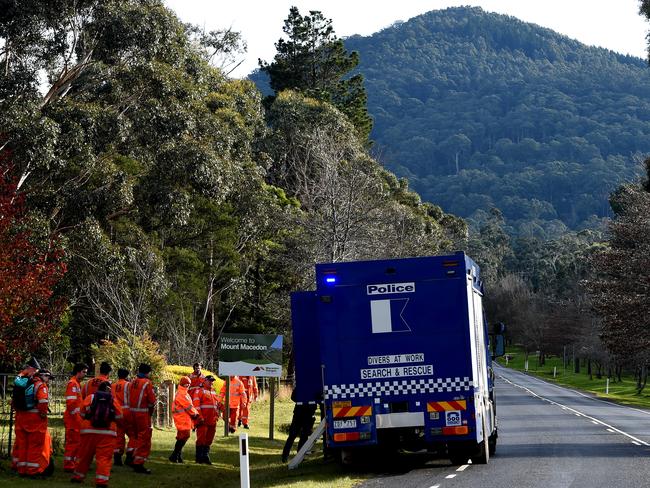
[[98, 439], [206, 402], [35, 454], [92, 384], [184, 413], [250, 385], [196, 379], [72, 416], [142, 400], [30, 369], [237, 397], [120, 391]]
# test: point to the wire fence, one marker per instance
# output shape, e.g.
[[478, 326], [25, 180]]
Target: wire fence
[[162, 416]]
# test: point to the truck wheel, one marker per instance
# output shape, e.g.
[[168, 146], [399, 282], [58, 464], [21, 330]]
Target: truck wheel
[[483, 456], [492, 443]]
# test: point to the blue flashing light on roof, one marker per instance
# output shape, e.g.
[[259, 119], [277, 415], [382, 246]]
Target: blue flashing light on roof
[[330, 279]]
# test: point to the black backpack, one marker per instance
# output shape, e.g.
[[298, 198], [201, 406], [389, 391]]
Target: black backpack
[[101, 412], [22, 396]]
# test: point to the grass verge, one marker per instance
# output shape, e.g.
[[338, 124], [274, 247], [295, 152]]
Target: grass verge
[[553, 370], [266, 469]]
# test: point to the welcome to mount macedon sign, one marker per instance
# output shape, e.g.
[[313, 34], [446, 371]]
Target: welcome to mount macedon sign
[[250, 355]]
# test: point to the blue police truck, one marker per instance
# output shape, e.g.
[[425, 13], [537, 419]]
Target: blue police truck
[[397, 350]]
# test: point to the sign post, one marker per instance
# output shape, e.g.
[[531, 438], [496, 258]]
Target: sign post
[[251, 355]]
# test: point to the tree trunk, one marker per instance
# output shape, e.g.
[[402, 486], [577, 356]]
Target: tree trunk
[[591, 377], [642, 379], [576, 365]]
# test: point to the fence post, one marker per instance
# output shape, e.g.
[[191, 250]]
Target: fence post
[[170, 403]]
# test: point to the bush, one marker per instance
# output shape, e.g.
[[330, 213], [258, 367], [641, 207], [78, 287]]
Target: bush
[[129, 352], [174, 372]]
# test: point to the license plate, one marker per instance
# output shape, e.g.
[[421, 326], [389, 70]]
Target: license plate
[[345, 424]]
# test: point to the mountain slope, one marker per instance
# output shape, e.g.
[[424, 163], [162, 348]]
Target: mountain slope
[[480, 109]]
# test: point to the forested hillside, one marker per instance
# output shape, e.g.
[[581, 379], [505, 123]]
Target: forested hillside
[[481, 110]]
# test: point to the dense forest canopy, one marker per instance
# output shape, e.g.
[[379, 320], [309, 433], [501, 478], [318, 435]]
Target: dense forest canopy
[[163, 200], [479, 110]]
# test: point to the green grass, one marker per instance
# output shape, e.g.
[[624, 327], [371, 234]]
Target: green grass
[[623, 392], [266, 469]]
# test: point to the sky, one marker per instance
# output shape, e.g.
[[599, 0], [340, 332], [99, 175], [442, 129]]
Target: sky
[[612, 24]]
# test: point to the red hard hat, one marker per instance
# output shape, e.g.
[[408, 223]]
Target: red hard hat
[[185, 381]]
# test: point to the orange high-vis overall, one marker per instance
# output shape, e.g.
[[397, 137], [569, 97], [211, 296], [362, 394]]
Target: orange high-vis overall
[[120, 392], [33, 447], [72, 422], [206, 402], [196, 383], [17, 447], [142, 400], [98, 443], [91, 386], [250, 385], [237, 397], [183, 411]]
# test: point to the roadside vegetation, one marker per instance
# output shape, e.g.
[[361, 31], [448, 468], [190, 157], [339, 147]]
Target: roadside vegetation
[[554, 370]]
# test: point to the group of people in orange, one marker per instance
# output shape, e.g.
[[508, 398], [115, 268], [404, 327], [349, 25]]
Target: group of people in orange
[[100, 415], [198, 406]]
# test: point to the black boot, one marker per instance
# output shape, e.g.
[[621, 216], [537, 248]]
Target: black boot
[[129, 459], [206, 455], [139, 468], [180, 445], [117, 459], [197, 458], [174, 455]]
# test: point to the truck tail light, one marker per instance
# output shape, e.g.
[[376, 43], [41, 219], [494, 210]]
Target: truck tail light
[[349, 436], [462, 430]]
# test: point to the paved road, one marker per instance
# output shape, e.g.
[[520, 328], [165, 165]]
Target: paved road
[[549, 437]]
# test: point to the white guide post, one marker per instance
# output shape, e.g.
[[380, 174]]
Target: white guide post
[[243, 461]]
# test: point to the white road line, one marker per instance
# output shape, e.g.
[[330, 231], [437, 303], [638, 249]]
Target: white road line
[[463, 467], [600, 422], [610, 430], [590, 397], [450, 476], [636, 443], [435, 486], [594, 422]]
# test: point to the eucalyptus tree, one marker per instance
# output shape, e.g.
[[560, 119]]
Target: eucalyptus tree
[[128, 142]]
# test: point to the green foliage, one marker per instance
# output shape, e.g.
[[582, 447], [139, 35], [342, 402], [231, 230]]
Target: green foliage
[[128, 352], [313, 61], [174, 373], [480, 110]]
